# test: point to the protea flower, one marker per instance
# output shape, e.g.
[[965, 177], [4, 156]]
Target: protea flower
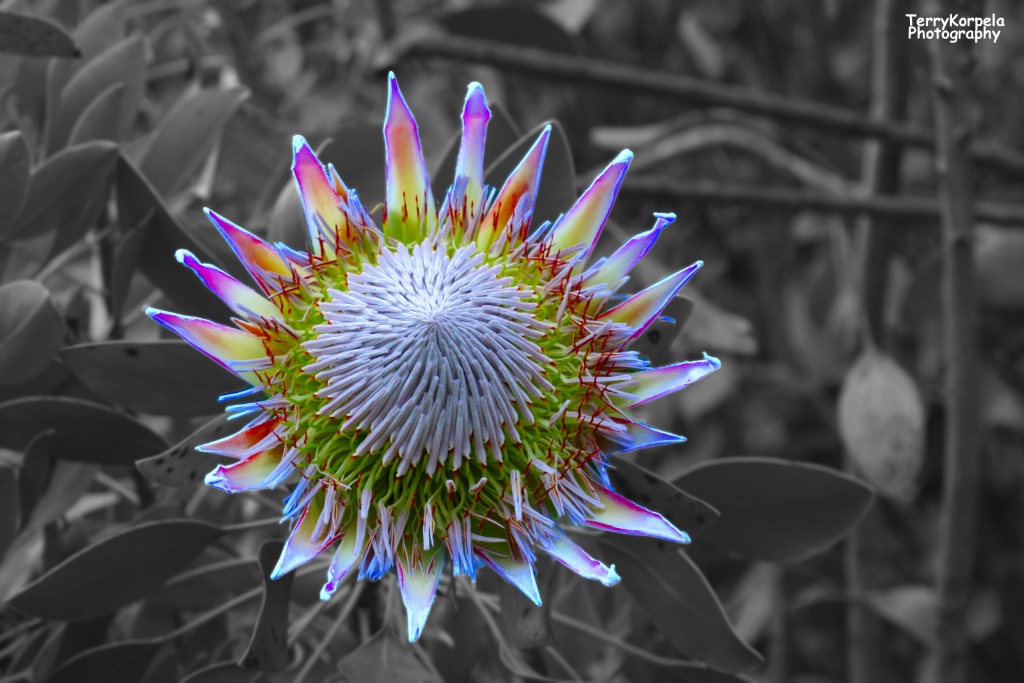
[[448, 385]]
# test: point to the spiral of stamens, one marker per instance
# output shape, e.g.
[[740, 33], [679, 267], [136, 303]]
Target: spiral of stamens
[[430, 354]]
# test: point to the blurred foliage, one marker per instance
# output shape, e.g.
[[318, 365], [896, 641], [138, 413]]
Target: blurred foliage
[[120, 120]]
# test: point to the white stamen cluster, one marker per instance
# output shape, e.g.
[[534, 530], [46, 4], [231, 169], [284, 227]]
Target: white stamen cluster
[[432, 354]]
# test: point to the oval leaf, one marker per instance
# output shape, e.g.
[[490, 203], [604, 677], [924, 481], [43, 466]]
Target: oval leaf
[[31, 331], [126, 259], [186, 136], [124, 64], [139, 207], [100, 118], [998, 254], [161, 377], [384, 659], [183, 464], [915, 609], [67, 193], [83, 430], [124, 662], [881, 422], [13, 177], [116, 571], [671, 590], [34, 37], [101, 29], [687, 513], [776, 510], [268, 648]]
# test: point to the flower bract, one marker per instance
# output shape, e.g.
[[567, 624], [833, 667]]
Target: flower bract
[[441, 388]]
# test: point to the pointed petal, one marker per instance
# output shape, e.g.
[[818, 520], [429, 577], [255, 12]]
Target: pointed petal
[[411, 213], [520, 574], [346, 557], [418, 580], [640, 310], [470, 164], [622, 515], [587, 217], [336, 182], [255, 472], [302, 544], [243, 442], [230, 348], [578, 560], [639, 435], [652, 384], [265, 263], [242, 299], [325, 221], [618, 265], [523, 181]]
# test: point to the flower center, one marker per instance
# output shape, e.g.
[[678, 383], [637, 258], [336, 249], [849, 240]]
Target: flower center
[[432, 353]]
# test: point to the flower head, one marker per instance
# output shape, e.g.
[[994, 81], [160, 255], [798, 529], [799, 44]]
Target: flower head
[[446, 386]]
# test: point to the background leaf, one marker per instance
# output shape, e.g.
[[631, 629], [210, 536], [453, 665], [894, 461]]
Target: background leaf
[[182, 464], [268, 648], [670, 589], [160, 377], [384, 659], [776, 510], [184, 139], [881, 422], [31, 331], [998, 254], [686, 512], [34, 37], [115, 571], [123, 662], [913, 608], [121, 64], [102, 28], [99, 120], [139, 207], [13, 177], [80, 176], [83, 430]]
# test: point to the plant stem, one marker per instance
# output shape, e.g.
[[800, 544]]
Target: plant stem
[[951, 65], [902, 210], [880, 175], [624, 78]]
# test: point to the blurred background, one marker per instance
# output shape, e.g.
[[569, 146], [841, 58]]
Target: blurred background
[[794, 140]]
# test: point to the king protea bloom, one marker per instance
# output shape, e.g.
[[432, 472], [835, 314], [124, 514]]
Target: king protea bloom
[[444, 387]]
